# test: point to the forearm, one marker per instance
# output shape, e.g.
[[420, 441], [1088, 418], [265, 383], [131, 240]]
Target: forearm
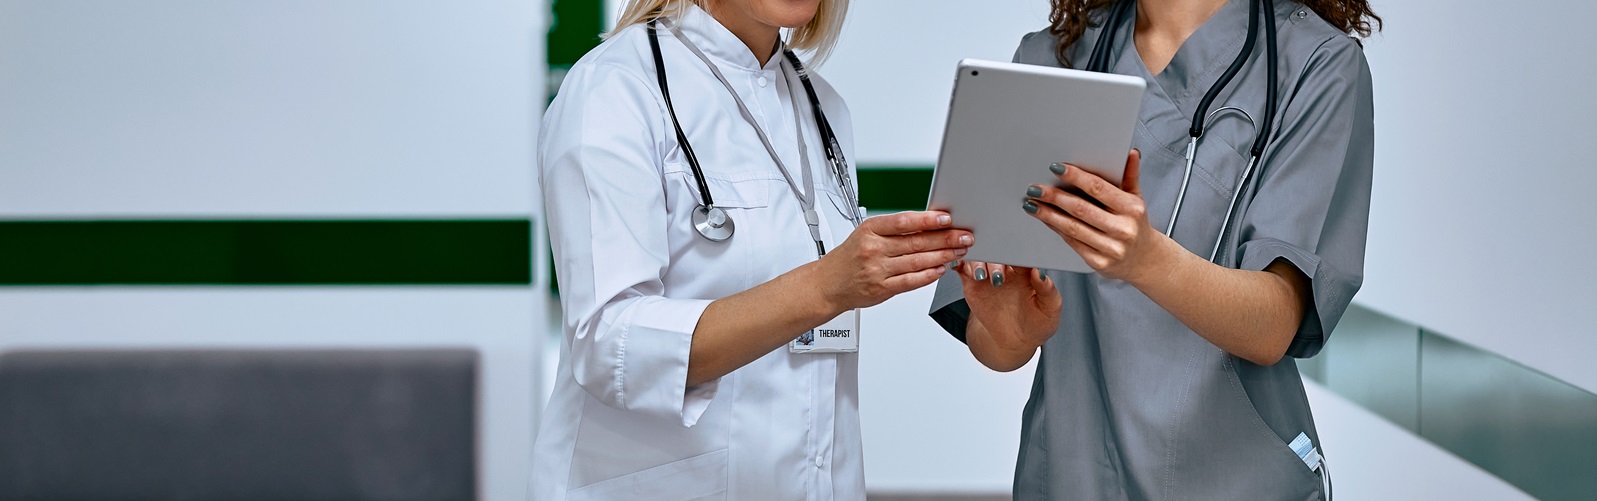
[[1250, 314], [741, 328], [1002, 354]]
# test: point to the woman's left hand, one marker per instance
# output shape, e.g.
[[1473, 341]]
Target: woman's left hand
[[1115, 239]]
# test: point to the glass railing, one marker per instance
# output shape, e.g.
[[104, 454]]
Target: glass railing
[[1526, 427]]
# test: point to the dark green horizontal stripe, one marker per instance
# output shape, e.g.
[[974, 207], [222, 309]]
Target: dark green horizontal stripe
[[265, 252], [894, 188]]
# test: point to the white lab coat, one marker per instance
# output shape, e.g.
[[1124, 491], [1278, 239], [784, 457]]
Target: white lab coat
[[635, 277]]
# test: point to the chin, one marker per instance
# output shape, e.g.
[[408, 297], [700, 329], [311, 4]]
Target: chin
[[788, 13]]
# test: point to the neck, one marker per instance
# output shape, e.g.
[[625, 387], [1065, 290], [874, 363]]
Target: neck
[[1175, 17], [1163, 25], [759, 37]]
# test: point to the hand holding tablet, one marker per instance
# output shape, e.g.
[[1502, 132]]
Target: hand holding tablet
[[1008, 123]]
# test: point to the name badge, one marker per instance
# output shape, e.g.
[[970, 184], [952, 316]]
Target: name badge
[[838, 335]]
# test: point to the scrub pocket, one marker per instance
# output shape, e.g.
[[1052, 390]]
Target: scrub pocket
[[699, 477], [1280, 471]]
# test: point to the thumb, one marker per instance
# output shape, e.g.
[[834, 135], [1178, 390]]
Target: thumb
[[1132, 181], [1047, 295]]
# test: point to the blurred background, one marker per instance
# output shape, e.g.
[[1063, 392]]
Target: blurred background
[[292, 249]]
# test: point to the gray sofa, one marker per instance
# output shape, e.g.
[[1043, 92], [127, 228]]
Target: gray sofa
[[245, 425]]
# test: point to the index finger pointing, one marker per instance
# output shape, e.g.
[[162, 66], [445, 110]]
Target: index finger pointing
[[904, 223]]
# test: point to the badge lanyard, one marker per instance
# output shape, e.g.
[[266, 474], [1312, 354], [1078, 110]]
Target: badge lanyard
[[841, 334]]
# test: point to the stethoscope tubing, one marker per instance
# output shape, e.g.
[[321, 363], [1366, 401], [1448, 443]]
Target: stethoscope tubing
[[831, 145], [833, 149], [1100, 62], [708, 200]]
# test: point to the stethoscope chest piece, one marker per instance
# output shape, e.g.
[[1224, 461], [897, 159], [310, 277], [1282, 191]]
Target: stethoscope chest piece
[[713, 223]]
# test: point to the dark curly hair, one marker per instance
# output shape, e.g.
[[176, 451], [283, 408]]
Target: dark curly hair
[[1070, 19]]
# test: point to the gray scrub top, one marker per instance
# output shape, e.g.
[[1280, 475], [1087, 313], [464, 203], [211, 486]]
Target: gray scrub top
[[1128, 403]]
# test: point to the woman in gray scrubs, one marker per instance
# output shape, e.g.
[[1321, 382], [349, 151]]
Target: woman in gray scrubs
[[1165, 375]]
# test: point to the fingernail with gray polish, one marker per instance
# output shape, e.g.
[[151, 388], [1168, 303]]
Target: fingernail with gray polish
[[1057, 169], [998, 279], [1030, 207], [981, 273], [953, 265], [1033, 191]]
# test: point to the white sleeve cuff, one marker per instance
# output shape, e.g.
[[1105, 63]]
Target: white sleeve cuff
[[653, 359]]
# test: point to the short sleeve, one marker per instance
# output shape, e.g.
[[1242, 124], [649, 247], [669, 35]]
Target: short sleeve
[[949, 308], [1311, 207]]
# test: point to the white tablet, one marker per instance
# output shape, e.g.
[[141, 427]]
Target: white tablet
[[1009, 122]]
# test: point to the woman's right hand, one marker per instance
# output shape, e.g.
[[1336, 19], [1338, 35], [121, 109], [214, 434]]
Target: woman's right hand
[[890, 255], [1013, 311]]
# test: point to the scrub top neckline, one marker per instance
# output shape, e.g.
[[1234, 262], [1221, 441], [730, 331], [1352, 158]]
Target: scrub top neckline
[[1198, 63]]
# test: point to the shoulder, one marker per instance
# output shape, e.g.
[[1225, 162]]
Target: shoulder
[[1315, 45], [832, 101], [613, 82], [610, 96], [621, 60], [1039, 48]]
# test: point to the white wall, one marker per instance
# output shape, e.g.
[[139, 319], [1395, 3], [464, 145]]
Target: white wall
[[934, 419], [895, 66], [1482, 222], [296, 107], [197, 109]]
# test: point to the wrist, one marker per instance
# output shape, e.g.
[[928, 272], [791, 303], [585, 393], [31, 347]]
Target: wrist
[[816, 294], [1009, 342], [1165, 259]]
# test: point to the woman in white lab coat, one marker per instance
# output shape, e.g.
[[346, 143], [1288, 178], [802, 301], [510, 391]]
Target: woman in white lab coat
[[682, 374]]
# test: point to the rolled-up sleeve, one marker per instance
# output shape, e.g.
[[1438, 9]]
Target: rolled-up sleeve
[[1311, 207], [600, 173]]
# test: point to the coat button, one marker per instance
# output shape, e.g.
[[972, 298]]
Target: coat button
[[818, 462], [763, 81]]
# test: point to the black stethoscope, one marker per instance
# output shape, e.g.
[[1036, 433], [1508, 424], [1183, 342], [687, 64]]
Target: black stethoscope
[[713, 222], [1100, 62]]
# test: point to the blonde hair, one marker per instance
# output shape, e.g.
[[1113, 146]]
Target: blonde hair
[[818, 38]]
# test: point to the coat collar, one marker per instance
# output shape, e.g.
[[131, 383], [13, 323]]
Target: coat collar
[[718, 42]]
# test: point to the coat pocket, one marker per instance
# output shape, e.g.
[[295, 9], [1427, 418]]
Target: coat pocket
[[699, 477], [736, 191]]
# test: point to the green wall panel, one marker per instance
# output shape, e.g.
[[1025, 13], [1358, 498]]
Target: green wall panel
[[265, 252], [574, 27], [894, 188]]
